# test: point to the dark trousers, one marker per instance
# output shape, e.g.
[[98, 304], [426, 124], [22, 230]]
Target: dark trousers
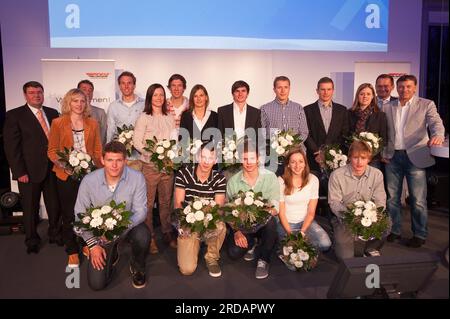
[[30, 198], [139, 238], [67, 194], [267, 236]]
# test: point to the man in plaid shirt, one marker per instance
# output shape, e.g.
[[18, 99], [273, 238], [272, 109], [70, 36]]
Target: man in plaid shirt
[[282, 113]]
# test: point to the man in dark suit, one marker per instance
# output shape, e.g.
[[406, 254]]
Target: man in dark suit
[[239, 117], [25, 134], [328, 122], [384, 86]]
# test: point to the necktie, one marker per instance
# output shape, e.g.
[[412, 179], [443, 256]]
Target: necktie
[[42, 122]]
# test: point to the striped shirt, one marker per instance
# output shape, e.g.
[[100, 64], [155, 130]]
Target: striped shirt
[[275, 115], [187, 179]]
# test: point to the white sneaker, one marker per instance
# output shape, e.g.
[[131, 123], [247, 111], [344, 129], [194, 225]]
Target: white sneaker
[[250, 254], [262, 269]]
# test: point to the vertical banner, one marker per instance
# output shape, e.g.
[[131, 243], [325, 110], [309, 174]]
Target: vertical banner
[[367, 72], [61, 75]]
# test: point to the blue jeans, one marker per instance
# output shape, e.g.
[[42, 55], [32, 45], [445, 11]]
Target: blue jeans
[[399, 167], [317, 236]]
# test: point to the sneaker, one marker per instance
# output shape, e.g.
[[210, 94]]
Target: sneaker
[[372, 253], [250, 254], [137, 278], [392, 237], [214, 269], [416, 242], [288, 265], [262, 269], [74, 261]]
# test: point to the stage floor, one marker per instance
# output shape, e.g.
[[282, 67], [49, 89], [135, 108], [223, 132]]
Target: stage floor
[[43, 275]]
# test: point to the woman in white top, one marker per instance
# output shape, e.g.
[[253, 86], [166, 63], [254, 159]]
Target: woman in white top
[[156, 121], [299, 194], [199, 122]]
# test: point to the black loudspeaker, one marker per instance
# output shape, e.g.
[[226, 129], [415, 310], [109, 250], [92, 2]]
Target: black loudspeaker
[[11, 215]]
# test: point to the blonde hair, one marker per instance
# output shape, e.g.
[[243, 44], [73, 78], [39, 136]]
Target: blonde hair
[[65, 103], [359, 147]]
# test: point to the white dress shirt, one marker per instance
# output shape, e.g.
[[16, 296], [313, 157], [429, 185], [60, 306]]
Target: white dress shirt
[[402, 115], [239, 120]]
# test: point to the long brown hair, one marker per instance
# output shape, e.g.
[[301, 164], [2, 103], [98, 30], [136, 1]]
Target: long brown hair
[[149, 96], [287, 176], [373, 103]]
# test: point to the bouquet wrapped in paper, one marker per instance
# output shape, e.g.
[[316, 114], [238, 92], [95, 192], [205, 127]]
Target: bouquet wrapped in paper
[[298, 253], [199, 216], [366, 221], [107, 221], [374, 141], [75, 163], [248, 212], [164, 154], [283, 141], [125, 136]]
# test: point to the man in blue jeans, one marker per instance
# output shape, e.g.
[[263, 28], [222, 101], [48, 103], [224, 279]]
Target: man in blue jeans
[[119, 183], [407, 154]]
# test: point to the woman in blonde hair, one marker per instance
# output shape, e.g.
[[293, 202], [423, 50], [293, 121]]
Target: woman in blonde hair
[[74, 128], [299, 194]]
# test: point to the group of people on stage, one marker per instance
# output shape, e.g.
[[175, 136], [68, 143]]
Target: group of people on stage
[[34, 135]]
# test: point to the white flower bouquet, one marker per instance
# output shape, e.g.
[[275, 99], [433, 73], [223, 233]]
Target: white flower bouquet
[[333, 157], [125, 136], [365, 220], [283, 141], [298, 253], [190, 154], [230, 155], [372, 139], [76, 163], [247, 212], [164, 154], [199, 216], [108, 221]]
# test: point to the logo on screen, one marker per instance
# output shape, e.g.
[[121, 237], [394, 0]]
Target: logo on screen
[[97, 75]]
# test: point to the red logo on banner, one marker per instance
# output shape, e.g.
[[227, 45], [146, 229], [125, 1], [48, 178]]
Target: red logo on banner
[[396, 74], [97, 75]]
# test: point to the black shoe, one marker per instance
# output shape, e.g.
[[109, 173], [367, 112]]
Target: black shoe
[[33, 249], [57, 241], [137, 278], [416, 242], [392, 237]]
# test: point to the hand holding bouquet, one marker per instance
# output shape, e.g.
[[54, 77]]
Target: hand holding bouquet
[[365, 220], [125, 136], [163, 154], [248, 211], [108, 221], [298, 253], [283, 141], [75, 163], [199, 216]]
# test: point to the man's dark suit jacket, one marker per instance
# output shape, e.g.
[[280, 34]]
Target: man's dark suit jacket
[[187, 122], [226, 118], [25, 143], [337, 132]]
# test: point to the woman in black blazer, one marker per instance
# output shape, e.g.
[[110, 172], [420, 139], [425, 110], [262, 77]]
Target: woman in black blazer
[[366, 116], [198, 119]]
